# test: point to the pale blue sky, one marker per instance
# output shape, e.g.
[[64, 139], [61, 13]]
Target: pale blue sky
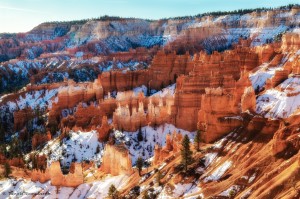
[[23, 15]]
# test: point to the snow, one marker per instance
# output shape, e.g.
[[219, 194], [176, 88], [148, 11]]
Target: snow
[[209, 158], [192, 190], [154, 136], [99, 189], [233, 189], [142, 89], [23, 188], [252, 178], [217, 174], [64, 192], [259, 77], [80, 146], [170, 90], [219, 144], [41, 98], [180, 189], [282, 101], [27, 189]]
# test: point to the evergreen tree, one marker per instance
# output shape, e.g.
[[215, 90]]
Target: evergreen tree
[[197, 140], [145, 195], [113, 192], [140, 135], [2, 132], [186, 153], [159, 176], [7, 170], [139, 164]]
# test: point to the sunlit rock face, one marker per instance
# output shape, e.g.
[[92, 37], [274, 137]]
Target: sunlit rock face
[[57, 178], [116, 160]]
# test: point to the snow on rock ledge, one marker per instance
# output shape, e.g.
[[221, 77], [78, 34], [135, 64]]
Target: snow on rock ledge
[[282, 101]]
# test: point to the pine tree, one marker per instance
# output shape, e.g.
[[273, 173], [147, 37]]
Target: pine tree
[[113, 192], [158, 177], [197, 140], [186, 153], [140, 135], [7, 170], [145, 195], [2, 132], [139, 164]]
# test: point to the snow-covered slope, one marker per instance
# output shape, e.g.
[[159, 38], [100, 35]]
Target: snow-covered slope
[[26, 189], [151, 137], [281, 101], [77, 146]]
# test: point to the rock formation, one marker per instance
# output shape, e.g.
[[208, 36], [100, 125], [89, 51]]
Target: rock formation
[[173, 144], [54, 173], [38, 139], [21, 117], [104, 130], [116, 160], [131, 119]]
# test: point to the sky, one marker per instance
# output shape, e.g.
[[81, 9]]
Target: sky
[[23, 15]]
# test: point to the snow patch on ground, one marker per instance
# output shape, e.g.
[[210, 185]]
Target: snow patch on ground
[[218, 173], [231, 190], [79, 146], [209, 158], [170, 90], [151, 136], [282, 101], [33, 99], [142, 89], [28, 189], [259, 77], [99, 189]]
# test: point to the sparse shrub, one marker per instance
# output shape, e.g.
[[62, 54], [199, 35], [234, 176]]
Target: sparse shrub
[[139, 164], [159, 176], [113, 192], [197, 140], [231, 193], [7, 170]]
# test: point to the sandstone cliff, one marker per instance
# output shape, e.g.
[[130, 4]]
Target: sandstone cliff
[[116, 160]]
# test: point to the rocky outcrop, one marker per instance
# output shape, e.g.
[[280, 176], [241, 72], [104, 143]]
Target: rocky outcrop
[[248, 102], [39, 175], [70, 180], [166, 67], [104, 130], [173, 144], [16, 161], [218, 115], [38, 139], [123, 80], [210, 71], [291, 42], [21, 117], [116, 160], [71, 95], [55, 175], [158, 112], [279, 77]]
